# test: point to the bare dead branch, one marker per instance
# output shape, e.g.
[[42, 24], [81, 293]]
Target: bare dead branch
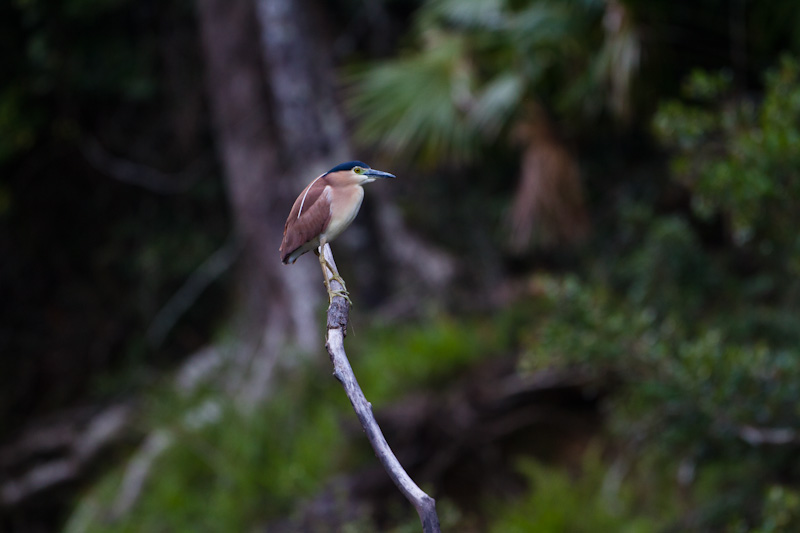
[[141, 175], [213, 267], [53, 455], [338, 314], [138, 470], [758, 436]]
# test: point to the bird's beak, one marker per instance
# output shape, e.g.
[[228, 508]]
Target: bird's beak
[[378, 173]]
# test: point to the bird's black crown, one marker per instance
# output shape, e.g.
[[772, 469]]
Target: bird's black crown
[[348, 166]]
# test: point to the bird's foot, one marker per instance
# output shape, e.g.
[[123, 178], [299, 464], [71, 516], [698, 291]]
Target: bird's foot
[[336, 292], [343, 294], [327, 267]]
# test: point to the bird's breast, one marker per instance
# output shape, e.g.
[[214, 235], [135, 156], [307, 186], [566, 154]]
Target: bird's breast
[[345, 204]]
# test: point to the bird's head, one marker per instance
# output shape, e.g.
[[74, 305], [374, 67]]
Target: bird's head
[[356, 172]]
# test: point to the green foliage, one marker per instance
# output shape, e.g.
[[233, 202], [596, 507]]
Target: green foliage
[[391, 361], [226, 471], [705, 349], [668, 272], [432, 126], [560, 503], [692, 390], [475, 68], [741, 158], [781, 511], [701, 336], [18, 129]]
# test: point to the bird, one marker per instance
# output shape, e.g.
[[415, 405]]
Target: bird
[[325, 208]]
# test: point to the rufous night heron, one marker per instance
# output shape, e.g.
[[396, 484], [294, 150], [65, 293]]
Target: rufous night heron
[[323, 211]]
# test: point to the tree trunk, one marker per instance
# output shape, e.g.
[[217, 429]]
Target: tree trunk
[[311, 127], [276, 304], [308, 120], [272, 88]]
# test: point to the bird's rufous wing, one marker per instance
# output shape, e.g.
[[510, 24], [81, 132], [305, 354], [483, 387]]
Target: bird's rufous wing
[[310, 215]]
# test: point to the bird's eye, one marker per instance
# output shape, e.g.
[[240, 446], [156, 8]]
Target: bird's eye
[[358, 170]]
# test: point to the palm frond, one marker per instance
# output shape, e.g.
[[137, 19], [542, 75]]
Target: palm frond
[[542, 24], [416, 106], [548, 204], [464, 14], [479, 61], [497, 103]]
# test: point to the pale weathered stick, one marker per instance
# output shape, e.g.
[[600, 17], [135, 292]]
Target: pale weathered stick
[[338, 313]]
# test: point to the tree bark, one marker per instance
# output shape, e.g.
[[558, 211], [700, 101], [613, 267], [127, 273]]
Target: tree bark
[[275, 305], [300, 68]]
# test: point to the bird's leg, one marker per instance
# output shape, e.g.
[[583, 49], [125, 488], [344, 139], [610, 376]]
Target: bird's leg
[[334, 275]]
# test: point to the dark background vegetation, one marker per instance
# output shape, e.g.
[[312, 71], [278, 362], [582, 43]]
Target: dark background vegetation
[[575, 310]]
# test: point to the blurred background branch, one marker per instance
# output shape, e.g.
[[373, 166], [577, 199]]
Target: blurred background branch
[[180, 302], [144, 176]]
